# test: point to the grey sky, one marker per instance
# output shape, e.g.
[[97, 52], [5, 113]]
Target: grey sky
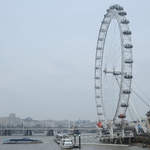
[[47, 51]]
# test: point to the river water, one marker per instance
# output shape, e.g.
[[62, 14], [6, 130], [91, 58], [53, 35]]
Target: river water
[[49, 144]]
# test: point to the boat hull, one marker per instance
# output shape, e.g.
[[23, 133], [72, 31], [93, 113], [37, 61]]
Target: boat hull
[[67, 147], [22, 141]]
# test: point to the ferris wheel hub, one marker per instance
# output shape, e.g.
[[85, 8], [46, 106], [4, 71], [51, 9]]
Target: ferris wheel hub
[[112, 72]]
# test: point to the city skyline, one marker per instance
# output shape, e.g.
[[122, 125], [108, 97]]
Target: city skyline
[[13, 121]]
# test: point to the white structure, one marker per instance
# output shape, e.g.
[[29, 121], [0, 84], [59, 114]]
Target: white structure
[[117, 13]]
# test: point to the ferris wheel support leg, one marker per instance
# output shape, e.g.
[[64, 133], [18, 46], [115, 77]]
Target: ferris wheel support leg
[[123, 135], [112, 133]]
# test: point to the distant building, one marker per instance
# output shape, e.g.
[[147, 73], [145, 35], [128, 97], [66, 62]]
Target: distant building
[[10, 121]]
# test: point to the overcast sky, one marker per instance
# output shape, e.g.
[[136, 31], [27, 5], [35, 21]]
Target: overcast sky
[[47, 50]]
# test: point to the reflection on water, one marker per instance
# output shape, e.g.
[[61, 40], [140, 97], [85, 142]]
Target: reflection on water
[[49, 144]]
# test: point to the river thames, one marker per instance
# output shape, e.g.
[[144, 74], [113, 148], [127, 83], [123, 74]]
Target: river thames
[[49, 144]]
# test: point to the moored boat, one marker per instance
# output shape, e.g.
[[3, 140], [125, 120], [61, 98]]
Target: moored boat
[[58, 138], [22, 141], [67, 143]]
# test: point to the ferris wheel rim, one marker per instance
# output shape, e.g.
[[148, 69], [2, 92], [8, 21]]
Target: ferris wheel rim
[[114, 12]]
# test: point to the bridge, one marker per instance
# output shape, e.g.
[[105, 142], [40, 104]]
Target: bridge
[[49, 131]]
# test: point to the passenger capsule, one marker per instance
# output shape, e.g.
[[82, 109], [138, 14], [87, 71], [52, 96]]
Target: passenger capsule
[[100, 114], [128, 46], [107, 16], [119, 8], [97, 87], [108, 10], [121, 116], [103, 30], [105, 22], [112, 7], [99, 48], [97, 68], [128, 76], [127, 32], [99, 124], [128, 61], [101, 39], [97, 96], [116, 6], [126, 91], [148, 114], [125, 21], [122, 13], [116, 73], [99, 105], [124, 105], [98, 58]]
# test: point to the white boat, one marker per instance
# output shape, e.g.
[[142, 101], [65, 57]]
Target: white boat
[[59, 137], [67, 143]]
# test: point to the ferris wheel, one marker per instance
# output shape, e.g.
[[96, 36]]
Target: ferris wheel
[[122, 76]]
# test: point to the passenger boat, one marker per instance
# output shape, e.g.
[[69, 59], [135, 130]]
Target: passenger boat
[[22, 141], [66, 143], [58, 138]]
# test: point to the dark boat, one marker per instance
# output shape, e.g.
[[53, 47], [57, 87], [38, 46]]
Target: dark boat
[[22, 141]]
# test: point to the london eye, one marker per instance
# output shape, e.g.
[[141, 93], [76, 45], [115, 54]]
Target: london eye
[[123, 76]]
